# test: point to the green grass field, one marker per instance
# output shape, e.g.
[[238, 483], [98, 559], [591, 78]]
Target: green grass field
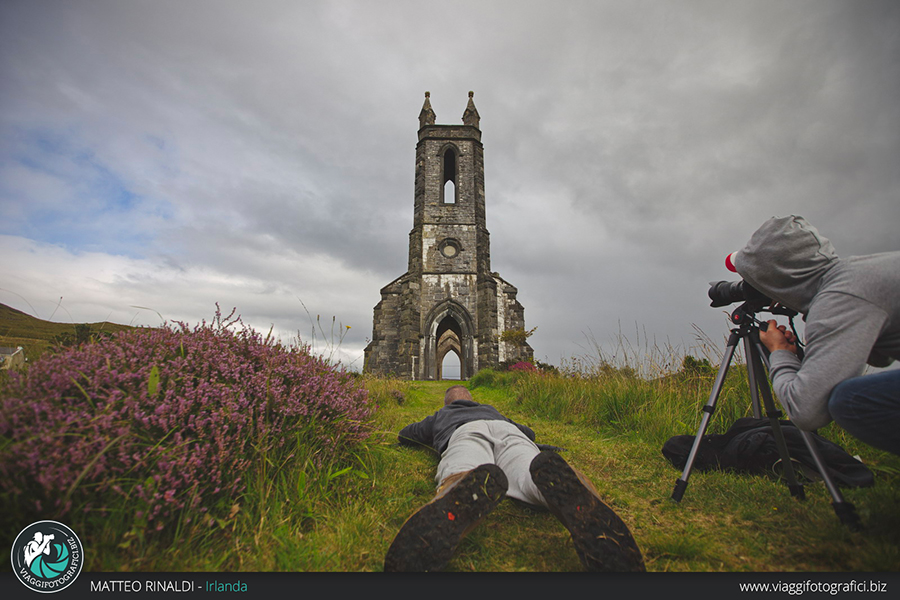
[[612, 425], [726, 522]]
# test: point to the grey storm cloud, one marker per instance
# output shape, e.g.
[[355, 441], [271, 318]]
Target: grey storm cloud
[[261, 154]]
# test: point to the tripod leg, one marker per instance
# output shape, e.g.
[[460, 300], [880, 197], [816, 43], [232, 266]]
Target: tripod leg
[[758, 382], [708, 409], [751, 376], [844, 510]]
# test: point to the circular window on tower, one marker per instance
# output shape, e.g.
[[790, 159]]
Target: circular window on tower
[[450, 248]]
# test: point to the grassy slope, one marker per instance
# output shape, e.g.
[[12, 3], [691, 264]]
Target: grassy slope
[[725, 522], [36, 335], [512, 538]]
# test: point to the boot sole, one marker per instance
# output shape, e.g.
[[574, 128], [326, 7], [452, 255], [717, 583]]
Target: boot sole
[[602, 540], [428, 539]]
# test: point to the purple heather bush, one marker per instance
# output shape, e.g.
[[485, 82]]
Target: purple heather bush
[[168, 420]]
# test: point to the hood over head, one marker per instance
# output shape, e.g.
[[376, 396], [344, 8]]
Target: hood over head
[[785, 259]]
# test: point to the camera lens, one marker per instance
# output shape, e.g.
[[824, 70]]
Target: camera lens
[[723, 293]]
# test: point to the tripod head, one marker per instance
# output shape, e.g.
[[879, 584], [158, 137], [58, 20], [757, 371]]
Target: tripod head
[[744, 316], [746, 313]]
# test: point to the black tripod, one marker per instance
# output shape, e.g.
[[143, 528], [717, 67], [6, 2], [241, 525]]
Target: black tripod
[[747, 329]]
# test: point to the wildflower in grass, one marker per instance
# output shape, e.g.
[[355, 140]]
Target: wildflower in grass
[[167, 419]]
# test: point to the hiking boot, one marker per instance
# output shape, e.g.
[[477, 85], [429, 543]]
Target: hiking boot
[[602, 540], [428, 539]]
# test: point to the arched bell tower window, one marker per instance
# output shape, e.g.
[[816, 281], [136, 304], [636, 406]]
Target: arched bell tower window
[[449, 181]]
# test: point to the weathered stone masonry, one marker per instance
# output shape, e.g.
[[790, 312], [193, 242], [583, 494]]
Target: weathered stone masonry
[[448, 300]]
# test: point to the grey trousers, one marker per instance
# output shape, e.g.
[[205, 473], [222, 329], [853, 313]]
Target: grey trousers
[[497, 442]]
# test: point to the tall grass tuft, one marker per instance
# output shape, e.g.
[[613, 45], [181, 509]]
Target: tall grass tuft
[[651, 394]]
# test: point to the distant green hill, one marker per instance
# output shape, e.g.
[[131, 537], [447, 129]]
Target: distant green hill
[[36, 335]]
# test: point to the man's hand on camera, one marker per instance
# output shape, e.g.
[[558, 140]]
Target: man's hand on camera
[[778, 337]]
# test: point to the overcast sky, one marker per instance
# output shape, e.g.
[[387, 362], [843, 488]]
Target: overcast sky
[[177, 154]]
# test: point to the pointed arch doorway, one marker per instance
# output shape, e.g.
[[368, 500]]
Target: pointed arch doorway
[[450, 337], [449, 349]]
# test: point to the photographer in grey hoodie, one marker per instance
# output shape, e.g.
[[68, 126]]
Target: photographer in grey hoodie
[[852, 311]]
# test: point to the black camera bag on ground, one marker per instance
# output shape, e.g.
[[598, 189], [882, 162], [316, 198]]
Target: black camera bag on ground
[[749, 446]]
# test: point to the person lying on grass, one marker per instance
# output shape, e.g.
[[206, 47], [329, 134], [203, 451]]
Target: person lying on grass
[[484, 457]]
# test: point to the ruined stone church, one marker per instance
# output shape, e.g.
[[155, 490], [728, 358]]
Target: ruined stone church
[[448, 300]]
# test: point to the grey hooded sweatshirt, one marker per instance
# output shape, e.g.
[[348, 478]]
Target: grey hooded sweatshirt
[[851, 307]]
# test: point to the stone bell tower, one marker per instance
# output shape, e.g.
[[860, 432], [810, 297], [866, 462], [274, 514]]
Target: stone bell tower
[[448, 300]]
